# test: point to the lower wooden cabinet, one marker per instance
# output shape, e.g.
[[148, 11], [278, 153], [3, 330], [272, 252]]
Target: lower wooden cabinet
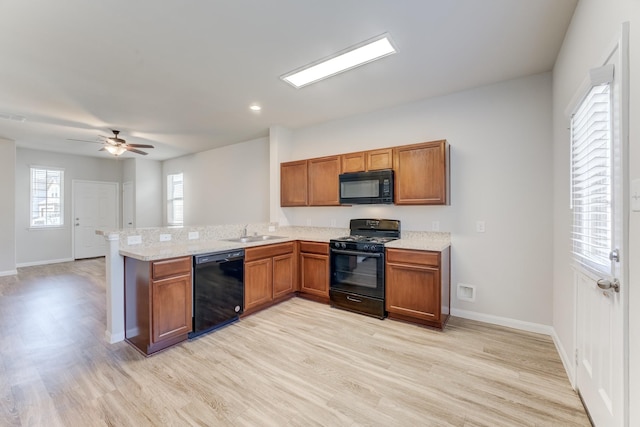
[[418, 286], [314, 270], [269, 275], [158, 301]]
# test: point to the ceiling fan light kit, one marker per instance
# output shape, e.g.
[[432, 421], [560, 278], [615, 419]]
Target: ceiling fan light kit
[[116, 150], [117, 146]]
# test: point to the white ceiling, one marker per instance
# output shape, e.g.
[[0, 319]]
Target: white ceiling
[[182, 74]]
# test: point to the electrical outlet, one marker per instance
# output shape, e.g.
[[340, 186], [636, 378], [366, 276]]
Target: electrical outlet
[[308, 221], [134, 240], [333, 222], [435, 225], [165, 237], [480, 226], [193, 235]]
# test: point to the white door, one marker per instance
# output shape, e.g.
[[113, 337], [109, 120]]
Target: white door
[[127, 205], [95, 207], [601, 303]]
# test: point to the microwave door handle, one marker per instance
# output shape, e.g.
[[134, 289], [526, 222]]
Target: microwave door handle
[[367, 254]]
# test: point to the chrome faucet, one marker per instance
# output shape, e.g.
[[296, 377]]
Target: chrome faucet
[[244, 231]]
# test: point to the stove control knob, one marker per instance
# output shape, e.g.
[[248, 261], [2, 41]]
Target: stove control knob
[[344, 245], [366, 247], [336, 244]]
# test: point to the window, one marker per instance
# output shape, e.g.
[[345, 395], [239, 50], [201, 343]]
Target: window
[[591, 183], [47, 202], [175, 203]]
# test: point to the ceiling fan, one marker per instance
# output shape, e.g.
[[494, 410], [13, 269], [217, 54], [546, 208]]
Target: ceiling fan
[[117, 146]]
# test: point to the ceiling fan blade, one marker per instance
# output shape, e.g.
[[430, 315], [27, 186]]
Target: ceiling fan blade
[[140, 145], [133, 150], [84, 140]]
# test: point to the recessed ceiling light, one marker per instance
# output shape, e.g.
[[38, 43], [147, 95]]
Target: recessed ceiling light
[[360, 54], [255, 107]]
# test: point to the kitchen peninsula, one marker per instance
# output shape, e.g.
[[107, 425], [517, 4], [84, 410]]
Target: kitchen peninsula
[[152, 245]]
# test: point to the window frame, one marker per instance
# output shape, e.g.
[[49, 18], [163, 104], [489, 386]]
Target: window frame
[[594, 260], [172, 199], [32, 201]]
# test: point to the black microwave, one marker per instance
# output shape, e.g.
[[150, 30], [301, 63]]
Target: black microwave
[[360, 188]]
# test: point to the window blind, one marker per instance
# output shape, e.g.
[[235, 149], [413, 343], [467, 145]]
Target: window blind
[[591, 187], [175, 204]]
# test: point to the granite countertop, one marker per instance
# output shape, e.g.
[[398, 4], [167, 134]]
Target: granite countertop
[[426, 241]]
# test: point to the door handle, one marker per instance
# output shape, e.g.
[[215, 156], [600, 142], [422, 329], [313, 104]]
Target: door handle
[[608, 284]]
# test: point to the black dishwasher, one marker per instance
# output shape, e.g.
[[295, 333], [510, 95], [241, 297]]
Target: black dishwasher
[[218, 290]]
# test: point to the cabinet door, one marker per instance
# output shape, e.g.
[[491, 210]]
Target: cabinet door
[[353, 162], [379, 159], [314, 274], [293, 183], [421, 174], [258, 285], [283, 275], [171, 307], [414, 291], [323, 181]]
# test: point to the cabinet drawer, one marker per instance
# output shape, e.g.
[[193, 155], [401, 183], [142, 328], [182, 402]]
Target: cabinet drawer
[[268, 251], [406, 256], [171, 267], [314, 248]]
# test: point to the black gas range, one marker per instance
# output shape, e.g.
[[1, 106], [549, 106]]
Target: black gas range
[[357, 266]]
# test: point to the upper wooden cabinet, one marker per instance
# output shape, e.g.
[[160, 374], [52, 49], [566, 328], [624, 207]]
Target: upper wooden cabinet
[[379, 159], [323, 181], [353, 162], [293, 183], [367, 160], [422, 173]]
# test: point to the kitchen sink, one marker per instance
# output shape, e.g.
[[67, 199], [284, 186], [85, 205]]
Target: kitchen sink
[[251, 239]]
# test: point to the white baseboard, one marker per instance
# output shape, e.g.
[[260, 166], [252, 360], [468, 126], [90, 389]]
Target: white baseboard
[[504, 321], [568, 362], [50, 261], [113, 338], [8, 273]]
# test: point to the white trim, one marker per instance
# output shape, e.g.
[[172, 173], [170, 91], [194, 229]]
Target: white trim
[[113, 338], [8, 273], [503, 321], [45, 262], [568, 362]]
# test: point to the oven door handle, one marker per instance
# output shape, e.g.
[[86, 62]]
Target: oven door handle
[[355, 253]]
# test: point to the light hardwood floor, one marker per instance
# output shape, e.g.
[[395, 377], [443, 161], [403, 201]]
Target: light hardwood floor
[[299, 363]]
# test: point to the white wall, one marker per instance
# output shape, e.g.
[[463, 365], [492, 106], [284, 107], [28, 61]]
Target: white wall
[[595, 26], [148, 193], [7, 207], [51, 245], [227, 185], [500, 137]]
